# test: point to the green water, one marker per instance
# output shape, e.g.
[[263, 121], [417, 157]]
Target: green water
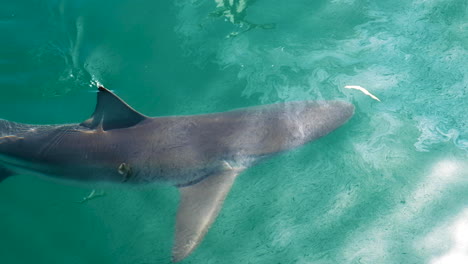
[[388, 187]]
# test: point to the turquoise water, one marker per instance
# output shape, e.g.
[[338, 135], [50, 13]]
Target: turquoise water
[[388, 187]]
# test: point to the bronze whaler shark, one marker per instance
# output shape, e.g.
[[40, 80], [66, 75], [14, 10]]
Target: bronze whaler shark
[[200, 154]]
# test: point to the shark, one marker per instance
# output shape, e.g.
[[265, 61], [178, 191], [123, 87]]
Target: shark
[[201, 155]]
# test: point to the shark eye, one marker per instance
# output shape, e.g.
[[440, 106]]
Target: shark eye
[[125, 170]]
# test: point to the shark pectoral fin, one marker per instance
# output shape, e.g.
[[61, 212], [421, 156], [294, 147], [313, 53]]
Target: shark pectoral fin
[[198, 208], [5, 173], [112, 113]]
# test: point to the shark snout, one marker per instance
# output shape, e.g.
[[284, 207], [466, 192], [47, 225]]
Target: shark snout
[[340, 110], [5, 127], [8, 128], [321, 118]]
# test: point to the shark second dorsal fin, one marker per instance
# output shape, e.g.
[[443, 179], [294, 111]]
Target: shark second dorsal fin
[[112, 112], [198, 208]]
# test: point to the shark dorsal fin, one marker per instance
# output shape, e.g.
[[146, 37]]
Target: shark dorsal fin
[[112, 112]]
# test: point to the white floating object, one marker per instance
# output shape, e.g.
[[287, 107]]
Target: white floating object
[[92, 195], [362, 89]]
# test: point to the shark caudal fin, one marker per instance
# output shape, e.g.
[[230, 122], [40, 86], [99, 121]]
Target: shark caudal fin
[[198, 208], [5, 173]]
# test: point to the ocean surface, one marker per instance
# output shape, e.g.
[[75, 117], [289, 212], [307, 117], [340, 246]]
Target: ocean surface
[[390, 186]]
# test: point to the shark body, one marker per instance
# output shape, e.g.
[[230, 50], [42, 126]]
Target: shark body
[[200, 154]]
